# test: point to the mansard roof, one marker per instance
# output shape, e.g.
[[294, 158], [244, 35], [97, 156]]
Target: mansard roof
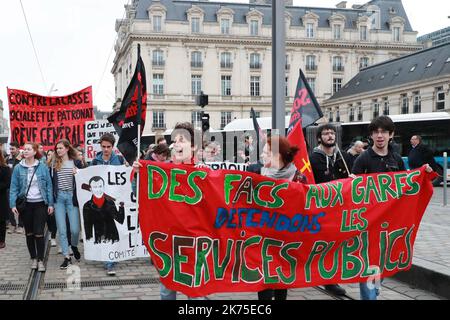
[[419, 66], [176, 11]]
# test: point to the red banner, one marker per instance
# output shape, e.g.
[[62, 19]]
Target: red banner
[[230, 231], [46, 120]]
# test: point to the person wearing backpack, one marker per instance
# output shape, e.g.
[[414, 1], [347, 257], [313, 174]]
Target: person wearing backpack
[[31, 196]]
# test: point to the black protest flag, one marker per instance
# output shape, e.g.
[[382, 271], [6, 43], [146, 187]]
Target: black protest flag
[[132, 112], [305, 111]]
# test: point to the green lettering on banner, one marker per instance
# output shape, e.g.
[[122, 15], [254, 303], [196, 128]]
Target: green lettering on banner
[[220, 268], [198, 195], [415, 186], [324, 273], [166, 259], [383, 237], [284, 253], [250, 275], [325, 200], [357, 197], [203, 247], [267, 258], [174, 183], [278, 201], [400, 184], [258, 200], [313, 193], [163, 174], [318, 248], [349, 258], [409, 244], [371, 186], [229, 178], [339, 197], [385, 182], [179, 259], [237, 262], [365, 255], [393, 237]]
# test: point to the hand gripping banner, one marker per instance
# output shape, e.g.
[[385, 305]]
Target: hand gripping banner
[[230, 231]]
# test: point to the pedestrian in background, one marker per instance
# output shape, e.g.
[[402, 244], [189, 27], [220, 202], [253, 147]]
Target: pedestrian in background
[[31, 182], [12, 160], [354, 152], [5, 180]]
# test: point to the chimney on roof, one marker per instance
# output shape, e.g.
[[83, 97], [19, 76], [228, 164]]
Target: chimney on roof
[[342, 5]]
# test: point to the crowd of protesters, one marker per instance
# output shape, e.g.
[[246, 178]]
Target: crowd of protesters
[[38, 188]]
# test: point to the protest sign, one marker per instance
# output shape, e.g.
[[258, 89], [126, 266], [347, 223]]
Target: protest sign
[[227, 166], [233, 231], [109, 220], [46, 120], [94, 131]]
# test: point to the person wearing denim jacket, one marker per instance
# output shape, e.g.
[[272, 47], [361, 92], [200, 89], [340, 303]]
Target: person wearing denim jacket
[[108, 157], [39, 201]]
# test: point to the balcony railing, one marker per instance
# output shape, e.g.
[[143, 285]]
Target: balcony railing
[[311, 67], [196, 64], [226, 65], [255, 65], [158, 63], [338, 68]]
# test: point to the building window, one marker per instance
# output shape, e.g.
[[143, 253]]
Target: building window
[[385, 106], [286, 86], [396, 31], [158, 84], [310, 30], [440, 98], [225, 26], [337, 85], [225, 118], [405, 103], [226, 85], [363, 33], [330, 115], [254, 86], [311, 63], [196, 83], [157, 58], [375, 108], [287, 66], [196, 59], [312, 84], [225, 60], [157, 23], [255, 62], [360, 113], [417, 102], [196, 119], [195, 25], [351, 115], [337, 32], [257, 114], [337, 64], [363, 62], [338, 115], [159, 120], [254, 26]]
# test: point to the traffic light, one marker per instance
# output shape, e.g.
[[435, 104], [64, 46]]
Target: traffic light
[[205, 121]]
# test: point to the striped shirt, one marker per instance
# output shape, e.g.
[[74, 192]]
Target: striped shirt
[[65, 176]]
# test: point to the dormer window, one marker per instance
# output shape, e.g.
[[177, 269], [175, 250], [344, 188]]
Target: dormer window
[[157, 15], [195, 16], [430, 64], [195, 25], [396, 34], [157, 23], [310, 30], [337, 32], [413, 68], [225, 26], [254, 27]]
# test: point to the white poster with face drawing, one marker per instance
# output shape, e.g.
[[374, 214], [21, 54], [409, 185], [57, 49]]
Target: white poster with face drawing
[[109, 219]]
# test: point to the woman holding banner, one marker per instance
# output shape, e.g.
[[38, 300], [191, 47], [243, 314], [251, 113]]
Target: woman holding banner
[[277, 157], [62, 168], [31, 192]]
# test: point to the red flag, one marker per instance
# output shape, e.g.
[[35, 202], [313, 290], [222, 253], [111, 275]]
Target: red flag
[[305, 111]]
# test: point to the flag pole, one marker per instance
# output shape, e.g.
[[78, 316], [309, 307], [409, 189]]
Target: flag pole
[[139, 115]]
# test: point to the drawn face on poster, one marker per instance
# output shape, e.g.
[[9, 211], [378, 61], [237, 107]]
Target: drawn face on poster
[[108, 214]]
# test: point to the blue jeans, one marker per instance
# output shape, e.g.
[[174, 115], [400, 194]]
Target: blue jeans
[[64, 206], [367, 293], [109, 265], [167, 294]]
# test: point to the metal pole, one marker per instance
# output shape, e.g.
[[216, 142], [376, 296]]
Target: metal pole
[[278, 66], [445, 178]]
